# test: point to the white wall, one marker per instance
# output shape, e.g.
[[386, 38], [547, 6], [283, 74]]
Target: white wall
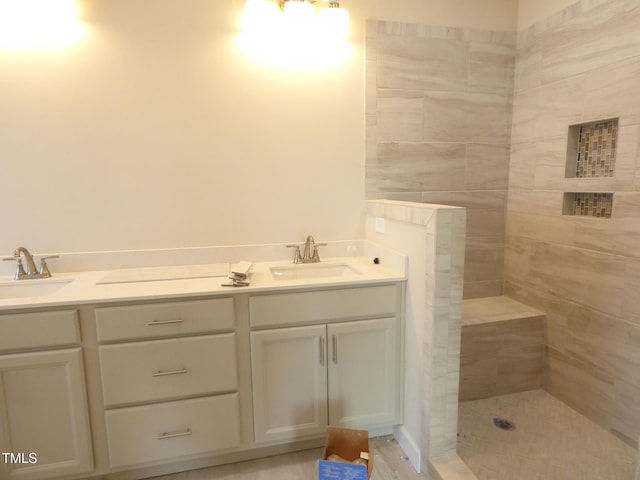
[[154, 131]]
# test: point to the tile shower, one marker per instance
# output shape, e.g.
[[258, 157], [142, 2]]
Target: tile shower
[[483, 120]]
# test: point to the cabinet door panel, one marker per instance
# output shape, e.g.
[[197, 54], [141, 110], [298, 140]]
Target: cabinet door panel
[[363, 373], [43, 410], [289, 383]]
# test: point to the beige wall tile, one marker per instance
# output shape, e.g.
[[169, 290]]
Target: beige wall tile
[[583, 388], [409, 62], [543, 202], [419, 166], [520, 369], [487, 167], [399, 115], [596, 38], [478, 376], [491, 77], [482, 289], [610, 90], [522, 164], [484, 258], [527, 71], [543, 228], [631, 301], [485, 223], [606, 342], [475, 200], [625, 418]]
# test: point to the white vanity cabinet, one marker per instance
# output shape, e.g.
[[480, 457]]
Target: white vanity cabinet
[[169, 374], [336, 360], [44, 421]]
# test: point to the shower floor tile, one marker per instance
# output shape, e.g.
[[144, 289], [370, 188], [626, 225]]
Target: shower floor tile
[[550, 441]]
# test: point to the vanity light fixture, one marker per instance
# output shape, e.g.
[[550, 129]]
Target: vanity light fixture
[[298, 16], [301, 34]]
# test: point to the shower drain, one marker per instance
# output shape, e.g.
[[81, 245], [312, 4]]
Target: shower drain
[[504, 424]]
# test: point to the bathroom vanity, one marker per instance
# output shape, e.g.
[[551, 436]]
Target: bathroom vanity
[[134, 379]]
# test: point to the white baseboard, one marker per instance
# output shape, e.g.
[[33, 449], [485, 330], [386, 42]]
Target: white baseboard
[[408, 445]]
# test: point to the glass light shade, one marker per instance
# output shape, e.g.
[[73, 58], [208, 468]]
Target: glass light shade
[[39, 23], [299, 17], [334, 22], [259, 16]]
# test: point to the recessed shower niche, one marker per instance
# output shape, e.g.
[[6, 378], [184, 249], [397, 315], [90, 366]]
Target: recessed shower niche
[[582, 204], [591, 154], [591, 149]]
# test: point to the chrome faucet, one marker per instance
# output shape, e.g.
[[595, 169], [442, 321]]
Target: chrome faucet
[[31, 271], [310, 254]]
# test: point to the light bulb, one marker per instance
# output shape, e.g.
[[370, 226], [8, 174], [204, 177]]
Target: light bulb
[[259, 16], [334, 22]]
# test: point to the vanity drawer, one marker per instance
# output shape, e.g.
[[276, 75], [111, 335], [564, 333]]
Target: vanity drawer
[[38, 330], [323, 305], [168, 369], [164, 319], [152, 433]]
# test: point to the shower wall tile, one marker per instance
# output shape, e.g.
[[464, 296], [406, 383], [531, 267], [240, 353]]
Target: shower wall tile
[[415, 167], [483, 223], [446, 116], [586, 389], [409, 62], [545, 202], [542, 228], [527, 74], [484, 259], [599, 37], [442, 100], [606, 342], [399, 115], [525, 116], [611, 92], [625, 417], [631, 303], [500, 356], [487, 167], [522, 164], [579, 66]]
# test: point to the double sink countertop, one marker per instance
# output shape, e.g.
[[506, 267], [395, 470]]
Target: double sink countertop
[[154, 283]]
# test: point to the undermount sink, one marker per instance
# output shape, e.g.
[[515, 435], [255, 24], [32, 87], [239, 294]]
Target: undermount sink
[[311, 271], [31, 288]]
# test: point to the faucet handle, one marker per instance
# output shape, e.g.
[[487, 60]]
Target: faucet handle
[[44, 268], [296, 255], [315, 255], [19, 267]]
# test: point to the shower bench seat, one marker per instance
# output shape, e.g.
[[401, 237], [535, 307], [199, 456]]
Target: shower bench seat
[[502, 348]]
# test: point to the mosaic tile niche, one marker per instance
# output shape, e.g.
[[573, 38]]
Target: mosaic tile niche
[[591, 149], [582, 204]]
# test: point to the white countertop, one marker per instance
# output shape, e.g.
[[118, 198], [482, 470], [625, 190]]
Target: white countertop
[[85, 287]]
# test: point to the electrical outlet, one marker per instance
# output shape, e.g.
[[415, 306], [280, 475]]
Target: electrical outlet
[[380, 225]]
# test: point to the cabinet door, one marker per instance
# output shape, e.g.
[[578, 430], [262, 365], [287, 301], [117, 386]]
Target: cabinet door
[[289, 383], [363, 373], [43, 415]]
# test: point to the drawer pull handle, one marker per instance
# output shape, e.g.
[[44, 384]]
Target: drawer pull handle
[[165, 435], [165, 322], [160, 373], [335, 348]]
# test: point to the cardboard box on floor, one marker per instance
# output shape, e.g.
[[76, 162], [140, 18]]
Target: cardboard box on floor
[[348, 444]]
